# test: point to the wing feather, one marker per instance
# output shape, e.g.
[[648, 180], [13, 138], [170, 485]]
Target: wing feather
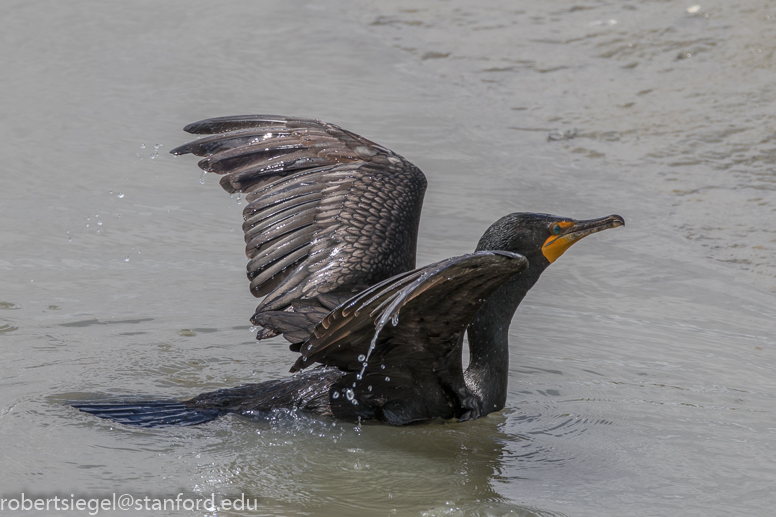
[[431, 305], [399, 342], [328, 212]]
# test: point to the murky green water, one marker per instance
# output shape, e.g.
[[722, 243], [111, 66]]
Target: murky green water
[[642, 363]]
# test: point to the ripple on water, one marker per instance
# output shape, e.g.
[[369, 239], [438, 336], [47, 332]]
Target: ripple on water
[[341, 468], [652, 120]]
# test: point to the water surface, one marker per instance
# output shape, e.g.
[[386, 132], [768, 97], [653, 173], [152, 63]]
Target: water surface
[[642, 366]]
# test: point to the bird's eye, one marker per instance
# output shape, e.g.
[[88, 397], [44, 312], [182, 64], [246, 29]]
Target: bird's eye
[[556, 229]]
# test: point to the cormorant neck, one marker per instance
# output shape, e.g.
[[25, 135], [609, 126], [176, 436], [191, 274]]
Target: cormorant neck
[[488, 371]]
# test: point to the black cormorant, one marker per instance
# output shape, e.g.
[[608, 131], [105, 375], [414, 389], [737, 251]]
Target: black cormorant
[[331, 226]]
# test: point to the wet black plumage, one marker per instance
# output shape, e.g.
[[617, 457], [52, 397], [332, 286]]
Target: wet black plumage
[[331, 228]]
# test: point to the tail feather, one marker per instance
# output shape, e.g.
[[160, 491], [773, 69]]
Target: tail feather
[[151, 413]]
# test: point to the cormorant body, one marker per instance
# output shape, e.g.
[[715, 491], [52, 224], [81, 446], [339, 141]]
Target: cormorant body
[[331, 227]]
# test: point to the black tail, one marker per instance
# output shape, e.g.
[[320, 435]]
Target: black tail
[[150, 413]]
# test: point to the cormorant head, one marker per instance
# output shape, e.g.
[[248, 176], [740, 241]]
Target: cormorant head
[[541, 238]]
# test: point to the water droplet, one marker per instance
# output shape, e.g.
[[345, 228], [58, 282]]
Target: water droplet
[[142, 146], [349, 394], [110, 192], [354, 384], [120, 195], [335, 395], [369, 388], [157, 146], [359, 377], [310, 346], [99, 223], [202, 178], [387, 379], [252, 329], [382, 367], [362, 358], [395, 319], [126, 259]]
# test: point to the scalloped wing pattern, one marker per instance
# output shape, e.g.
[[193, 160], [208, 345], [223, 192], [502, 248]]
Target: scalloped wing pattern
[[428, 309], [328, 211]]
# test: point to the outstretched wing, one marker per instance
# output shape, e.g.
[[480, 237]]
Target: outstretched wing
[[400, 340], [328, 213]]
